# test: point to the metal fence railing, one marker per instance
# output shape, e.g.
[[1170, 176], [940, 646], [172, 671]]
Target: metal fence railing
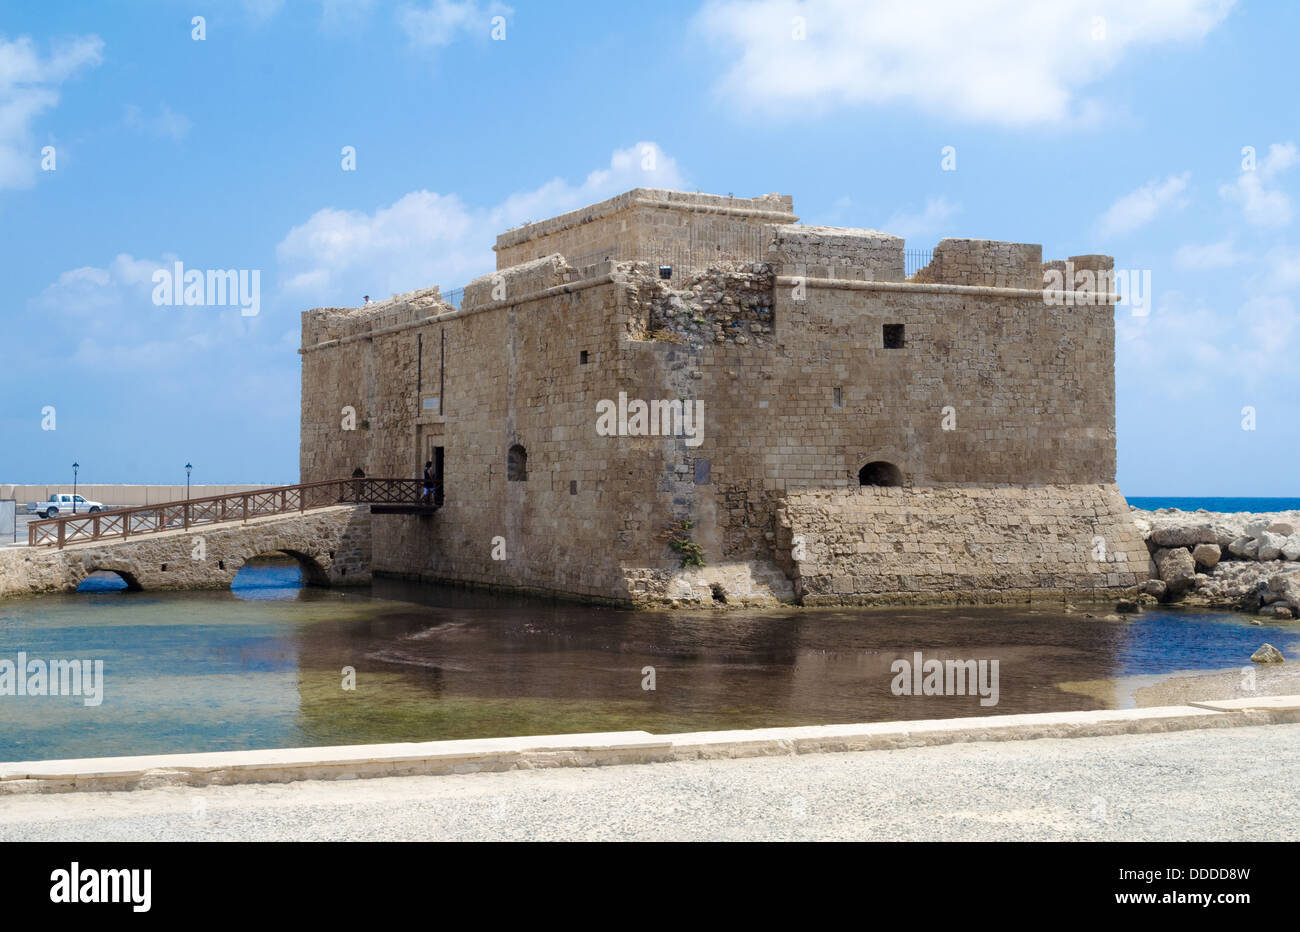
[[916, 259], [215, 509], [695, 253]]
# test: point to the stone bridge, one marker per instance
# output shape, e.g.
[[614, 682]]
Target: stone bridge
[[331, 544]]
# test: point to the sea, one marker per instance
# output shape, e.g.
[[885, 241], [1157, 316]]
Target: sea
[[1213, 503]]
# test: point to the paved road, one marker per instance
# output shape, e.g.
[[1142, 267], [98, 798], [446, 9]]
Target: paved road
[[1224, 784]]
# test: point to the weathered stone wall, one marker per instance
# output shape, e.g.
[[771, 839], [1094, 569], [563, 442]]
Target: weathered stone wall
[[960, 544], [835, 252], [984, 262], [991, 387], [333, 545], [361, 359], [647, 223]]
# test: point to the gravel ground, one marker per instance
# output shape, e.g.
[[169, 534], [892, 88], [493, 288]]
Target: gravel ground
[[1218, 784]]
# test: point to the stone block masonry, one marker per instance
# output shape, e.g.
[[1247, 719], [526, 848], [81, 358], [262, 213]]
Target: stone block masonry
[[946, 437], [332, 545], [890, 545]]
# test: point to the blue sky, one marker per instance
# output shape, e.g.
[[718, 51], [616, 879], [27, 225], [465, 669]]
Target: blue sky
[[1111, 126]]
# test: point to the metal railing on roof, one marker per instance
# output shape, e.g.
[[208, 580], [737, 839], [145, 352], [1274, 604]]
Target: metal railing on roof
[[916, 259]]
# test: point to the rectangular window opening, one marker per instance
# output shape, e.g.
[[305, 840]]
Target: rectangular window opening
[[894, 336], [582, 357]]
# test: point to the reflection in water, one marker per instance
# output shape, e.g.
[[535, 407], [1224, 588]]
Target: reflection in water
[[268, 577], [263, 666], [102, 581]]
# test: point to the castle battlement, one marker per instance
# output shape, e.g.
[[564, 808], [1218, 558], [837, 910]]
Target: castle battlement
[[692, 233]]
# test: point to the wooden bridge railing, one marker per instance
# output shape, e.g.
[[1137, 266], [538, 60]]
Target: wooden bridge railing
[[236, 506]]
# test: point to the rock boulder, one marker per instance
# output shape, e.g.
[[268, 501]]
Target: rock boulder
[[1207, 555], [1245, 547], [1177, 569], [1270, 546], [1267, 654]]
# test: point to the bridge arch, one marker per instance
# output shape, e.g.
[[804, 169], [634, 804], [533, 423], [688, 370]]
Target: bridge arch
[[313, 573], [132, 584]]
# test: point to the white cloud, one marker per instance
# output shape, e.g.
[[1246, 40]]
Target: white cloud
[[28, 87], [1138, 208], [344, 14], [1261, 205], [443, 21], [426, 238], [1285, 268], [107, 314], [261, 10], [932, 219], [167, 122], [999, 61], [1280, 157], [1209, 256], [1183, 349]]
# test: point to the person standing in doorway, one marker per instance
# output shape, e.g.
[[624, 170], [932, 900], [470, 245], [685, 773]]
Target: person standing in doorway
[[430, 481]]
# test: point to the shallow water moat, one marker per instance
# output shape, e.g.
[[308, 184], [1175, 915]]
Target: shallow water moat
[[264, 665]]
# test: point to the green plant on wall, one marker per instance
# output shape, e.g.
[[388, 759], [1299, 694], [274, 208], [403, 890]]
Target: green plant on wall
[[677, 535]]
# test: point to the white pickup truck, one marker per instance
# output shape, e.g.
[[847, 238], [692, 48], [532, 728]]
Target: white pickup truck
[[63, 504]]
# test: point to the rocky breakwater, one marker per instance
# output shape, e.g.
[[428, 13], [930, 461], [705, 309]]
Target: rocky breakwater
[[1246, 562]]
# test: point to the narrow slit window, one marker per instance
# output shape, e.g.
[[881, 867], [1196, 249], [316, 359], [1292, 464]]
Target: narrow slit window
[[517, 464]]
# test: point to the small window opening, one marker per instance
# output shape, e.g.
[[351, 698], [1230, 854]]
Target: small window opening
[[582, 357], [573, 486], [839, 397], [517, 464], [894, 336]]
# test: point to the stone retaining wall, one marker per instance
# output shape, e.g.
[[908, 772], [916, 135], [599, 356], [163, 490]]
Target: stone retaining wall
[[896, 545]]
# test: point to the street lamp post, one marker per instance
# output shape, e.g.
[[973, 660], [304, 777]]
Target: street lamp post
[[188, 467], [75, 467]]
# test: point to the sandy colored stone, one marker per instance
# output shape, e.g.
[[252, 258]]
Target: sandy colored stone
[[779, 330], [1206, 555], [1267, 654]]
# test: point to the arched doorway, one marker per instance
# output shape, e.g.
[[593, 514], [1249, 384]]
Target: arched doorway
[[880, 473]]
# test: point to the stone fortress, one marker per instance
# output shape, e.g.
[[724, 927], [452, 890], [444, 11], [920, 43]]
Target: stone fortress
[[864, 436]]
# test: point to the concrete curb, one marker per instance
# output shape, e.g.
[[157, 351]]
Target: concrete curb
[[284, 765]]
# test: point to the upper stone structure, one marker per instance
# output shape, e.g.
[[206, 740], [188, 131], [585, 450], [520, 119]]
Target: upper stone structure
[[656, 225]]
